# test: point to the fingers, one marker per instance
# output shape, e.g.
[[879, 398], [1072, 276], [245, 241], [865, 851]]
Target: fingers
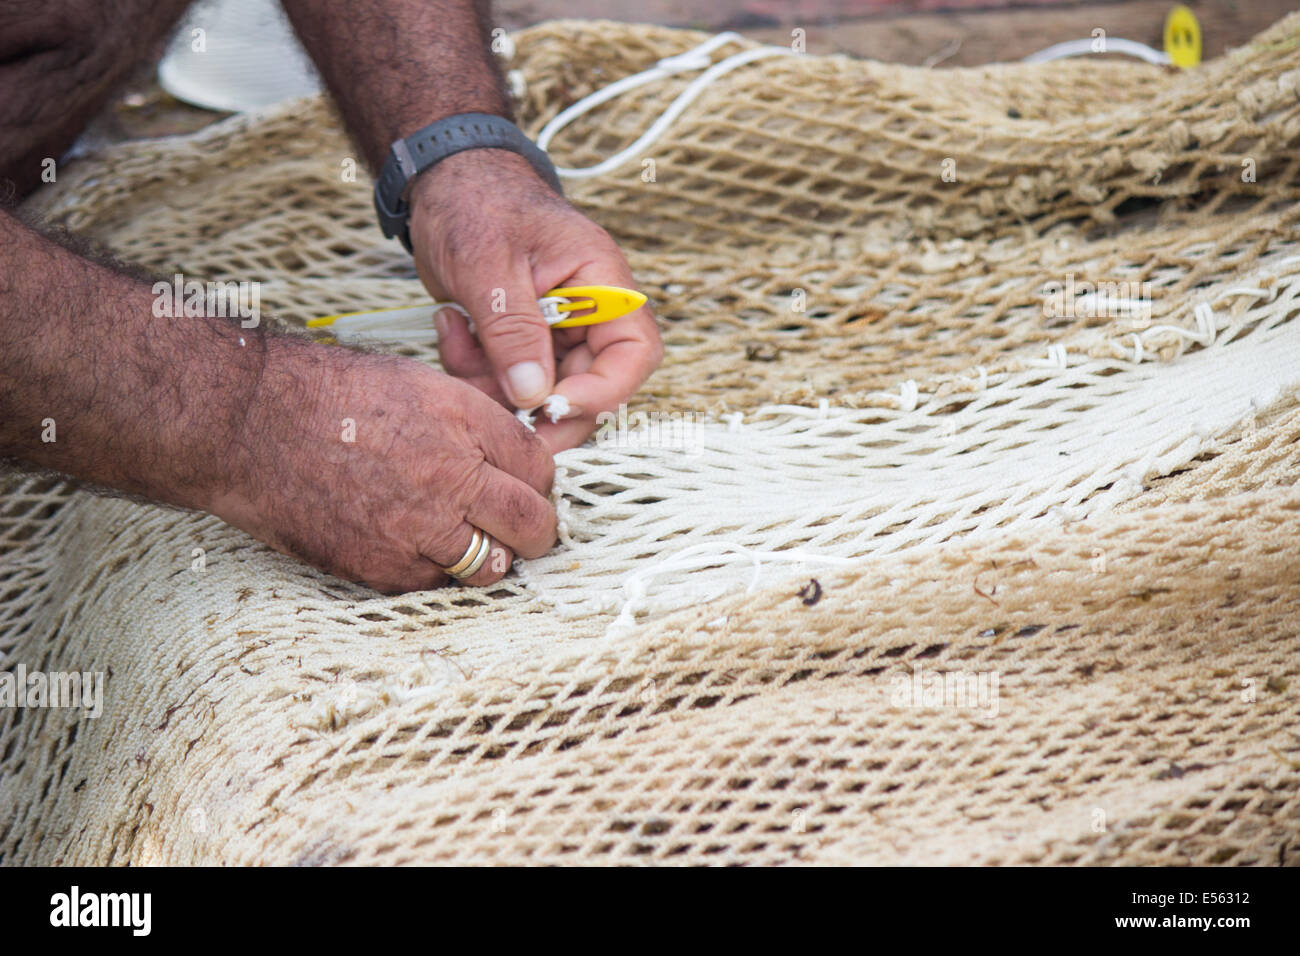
[[510, 518], [494, 567], [511, 448], [619, 356], [504, 495], [566, 433], [492, 558], [462, 356], [458, 350], [516, 338], [616, 372], [514, 514]]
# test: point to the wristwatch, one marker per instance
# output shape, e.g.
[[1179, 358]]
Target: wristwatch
[[434, 143]]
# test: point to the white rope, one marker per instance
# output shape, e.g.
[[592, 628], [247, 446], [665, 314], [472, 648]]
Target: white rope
[[1207, 327], [1060, 51], [1207, 321], [698, 58], [1057, 357]]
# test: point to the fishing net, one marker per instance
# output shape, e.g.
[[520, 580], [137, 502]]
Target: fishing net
[[959, 526]]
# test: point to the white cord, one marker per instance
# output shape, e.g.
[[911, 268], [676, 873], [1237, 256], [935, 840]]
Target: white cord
[[1060, 51], [698, 58], [414, 326]]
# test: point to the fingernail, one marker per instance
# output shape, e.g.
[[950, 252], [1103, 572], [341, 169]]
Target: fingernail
[[440, 323], [525, 383]]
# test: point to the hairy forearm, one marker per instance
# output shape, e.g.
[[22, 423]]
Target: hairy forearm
[[94, 384], [394, 66]]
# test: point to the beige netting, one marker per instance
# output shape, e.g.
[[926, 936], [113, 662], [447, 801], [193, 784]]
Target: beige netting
[[1092, 514]]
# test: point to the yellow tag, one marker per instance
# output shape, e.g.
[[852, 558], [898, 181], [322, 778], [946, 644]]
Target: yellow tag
[[1182, 37]]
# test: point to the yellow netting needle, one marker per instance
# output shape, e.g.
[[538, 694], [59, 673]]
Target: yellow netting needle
[[595, 303], [606, 302]]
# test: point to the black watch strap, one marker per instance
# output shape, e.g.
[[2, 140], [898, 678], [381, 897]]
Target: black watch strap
[[435, 143]]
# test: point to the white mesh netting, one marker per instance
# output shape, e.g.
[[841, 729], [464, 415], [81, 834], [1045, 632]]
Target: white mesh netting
[[1095, 508]]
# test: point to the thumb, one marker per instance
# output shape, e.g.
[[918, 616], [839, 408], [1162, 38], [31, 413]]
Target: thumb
[[517, 340]]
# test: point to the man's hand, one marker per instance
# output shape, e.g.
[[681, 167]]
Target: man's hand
[[482, 222], [373, 467], [490, 234], [378, 469]]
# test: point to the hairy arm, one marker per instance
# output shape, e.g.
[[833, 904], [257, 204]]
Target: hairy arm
[[394, 66], [487, 231], [93, 384], [374, 467]]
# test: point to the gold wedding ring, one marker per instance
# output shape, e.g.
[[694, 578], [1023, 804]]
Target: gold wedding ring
[[479, 547]]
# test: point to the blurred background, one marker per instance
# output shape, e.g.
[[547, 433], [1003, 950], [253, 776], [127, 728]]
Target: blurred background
[[962, 32], [258, 62]]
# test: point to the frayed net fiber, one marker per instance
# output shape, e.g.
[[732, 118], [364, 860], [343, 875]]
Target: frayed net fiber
[[914, 551]]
